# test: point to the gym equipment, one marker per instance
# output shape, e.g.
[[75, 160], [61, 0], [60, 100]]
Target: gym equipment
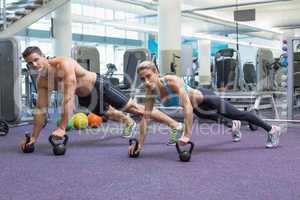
[[265, 74], [111, 69], [87, 56], [59, 148], [136, 146], [16, 105], [10, 70], [184, 155], [94, 120], [249, 76], [69, 125], [80, 121], [3, 128], [131, 59], [227, 70], [28, 148]]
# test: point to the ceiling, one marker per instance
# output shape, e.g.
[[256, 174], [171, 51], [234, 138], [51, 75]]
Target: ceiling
[[274, 18]]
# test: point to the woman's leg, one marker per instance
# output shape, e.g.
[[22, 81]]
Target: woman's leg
[[213, 102]]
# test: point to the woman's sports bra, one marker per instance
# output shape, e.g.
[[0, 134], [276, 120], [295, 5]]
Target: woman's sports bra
[[172, 99]]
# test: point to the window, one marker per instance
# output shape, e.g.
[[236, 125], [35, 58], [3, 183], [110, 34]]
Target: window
[[99, 12], [88, 11], [77, 28], [119, 15], [132, 35], [76, 9], [113, 32], [109, 14]]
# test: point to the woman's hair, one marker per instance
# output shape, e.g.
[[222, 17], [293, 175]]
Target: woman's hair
[[146, 65]]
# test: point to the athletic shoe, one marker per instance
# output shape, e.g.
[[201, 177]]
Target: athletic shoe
[[273, 137], [128, 131], [173, 135], [236, 133]]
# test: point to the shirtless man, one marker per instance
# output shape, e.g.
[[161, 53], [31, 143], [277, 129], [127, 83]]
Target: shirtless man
[[94, 92]]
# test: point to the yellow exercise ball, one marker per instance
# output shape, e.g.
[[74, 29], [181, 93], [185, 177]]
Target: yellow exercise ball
[[80, 121]]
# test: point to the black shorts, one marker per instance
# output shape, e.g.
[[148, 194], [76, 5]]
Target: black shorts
[[103, 95]]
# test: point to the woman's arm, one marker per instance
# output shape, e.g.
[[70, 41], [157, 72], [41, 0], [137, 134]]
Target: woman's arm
[[177, 86], [150, 99]]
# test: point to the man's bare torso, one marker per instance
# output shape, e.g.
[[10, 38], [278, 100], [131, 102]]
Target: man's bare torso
[[53, 78]]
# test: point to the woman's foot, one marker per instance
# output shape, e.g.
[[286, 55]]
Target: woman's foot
[[174, 134], [273, 137], [236, 133]]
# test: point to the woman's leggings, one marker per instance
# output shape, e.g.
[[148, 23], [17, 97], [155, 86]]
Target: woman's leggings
[[213, 104]]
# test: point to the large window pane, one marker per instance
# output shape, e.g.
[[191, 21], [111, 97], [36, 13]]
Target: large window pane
[[99, 13], [109, 14], [132, 35], [88, 11], [77, 28], [119, 15], [113, 32], [76, 9]]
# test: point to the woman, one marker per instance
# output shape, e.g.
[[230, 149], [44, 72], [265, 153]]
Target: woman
[[172, 91]]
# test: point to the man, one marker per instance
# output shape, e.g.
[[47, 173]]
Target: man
[[94, 92]]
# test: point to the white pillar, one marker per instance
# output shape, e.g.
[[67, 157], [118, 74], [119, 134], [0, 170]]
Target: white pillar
[[169, 35], [62, 30], [204, 62]]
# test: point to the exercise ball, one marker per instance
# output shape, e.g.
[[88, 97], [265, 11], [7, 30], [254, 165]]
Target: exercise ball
[[80, 121], [94, 120]]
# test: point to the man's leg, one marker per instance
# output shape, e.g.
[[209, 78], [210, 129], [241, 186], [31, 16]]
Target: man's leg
[[134, 108], [158, 116], [118, 116]]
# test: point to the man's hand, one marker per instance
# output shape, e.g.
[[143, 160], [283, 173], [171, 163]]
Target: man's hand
[[58, 134], [23, 144], [183, 140]]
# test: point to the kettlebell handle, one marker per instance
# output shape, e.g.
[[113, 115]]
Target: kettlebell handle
[[190, 150], [134, 140], [27, 135], [66, 138]]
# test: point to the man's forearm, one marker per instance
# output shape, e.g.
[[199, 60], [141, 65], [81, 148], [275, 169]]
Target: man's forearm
[[38, 123], [65, 115]]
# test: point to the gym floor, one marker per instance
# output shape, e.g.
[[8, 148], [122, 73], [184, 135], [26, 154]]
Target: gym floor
[[96, 166]]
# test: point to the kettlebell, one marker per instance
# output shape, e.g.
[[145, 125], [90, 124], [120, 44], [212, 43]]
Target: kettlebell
[[136, 146], [28, 148], [59, 148], [4, 128], [185, 155]]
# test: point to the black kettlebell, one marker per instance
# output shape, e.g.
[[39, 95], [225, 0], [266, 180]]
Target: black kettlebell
[[4, 128], [59, 148], [185, 155], [28, 148], [136, 146]]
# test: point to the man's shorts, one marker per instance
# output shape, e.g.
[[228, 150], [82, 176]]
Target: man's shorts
[[103, 95]]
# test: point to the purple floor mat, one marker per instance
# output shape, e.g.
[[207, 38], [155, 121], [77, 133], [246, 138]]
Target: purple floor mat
[[97, 167]]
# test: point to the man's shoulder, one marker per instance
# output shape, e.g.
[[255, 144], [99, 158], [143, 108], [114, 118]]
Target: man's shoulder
[[60, 60]]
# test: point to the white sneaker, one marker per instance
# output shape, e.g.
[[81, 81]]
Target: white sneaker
[[236, 133], [174, 134], [273, 137]]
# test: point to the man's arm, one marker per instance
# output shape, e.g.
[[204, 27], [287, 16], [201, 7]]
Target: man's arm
[[40, 112], [69, 86]]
